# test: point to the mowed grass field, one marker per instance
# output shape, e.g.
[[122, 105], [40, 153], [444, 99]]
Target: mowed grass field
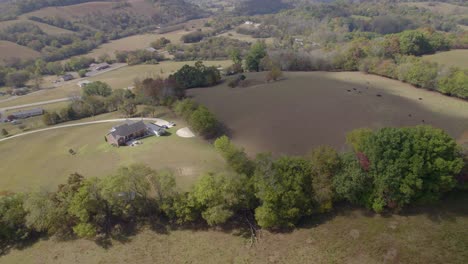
[[456, 58], [430, 236], [42, 160], [9, 50], [119, 78], [305, 110]]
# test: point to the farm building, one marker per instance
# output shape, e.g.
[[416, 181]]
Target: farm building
[[66, 77], [83, 83], [26, 113], [99, 67], [120, 135], [151, 49]]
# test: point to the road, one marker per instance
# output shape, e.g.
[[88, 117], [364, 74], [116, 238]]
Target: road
[[158, 121]]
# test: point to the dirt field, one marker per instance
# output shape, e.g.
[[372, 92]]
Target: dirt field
[[305, 110], [49, 162], [9, 50], [430, 236], [456, 58]]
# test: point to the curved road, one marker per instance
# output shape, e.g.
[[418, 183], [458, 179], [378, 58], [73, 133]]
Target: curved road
[[158, 121]]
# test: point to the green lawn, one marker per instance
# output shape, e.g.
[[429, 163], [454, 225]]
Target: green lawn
[[437, 235], [456, 58], [42, 160]]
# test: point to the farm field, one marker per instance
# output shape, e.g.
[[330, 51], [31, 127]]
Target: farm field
[[49, 162], [456, 58], [134, 43], [9, 50], [349, 236], [233, 34], [48, 29], [83, 9], [306, 110], [120, 78]]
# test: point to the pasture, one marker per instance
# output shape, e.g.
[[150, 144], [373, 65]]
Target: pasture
[[247, 38], [10, 50], [42, 160], [120, 78], [348, 236], [455, 58], [305, 110]]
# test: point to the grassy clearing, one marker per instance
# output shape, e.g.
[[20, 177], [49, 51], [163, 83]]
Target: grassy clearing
[[456, 58], [233, 34], [9, 50], [308, 109], [42, 161], [437, 235], [120, 78]]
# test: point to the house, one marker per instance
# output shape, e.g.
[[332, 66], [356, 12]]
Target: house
[[100, 66], [20, 91], [151, 49], [83, 83], [26, 113], [156, 130], [66, 77], [120, 135]]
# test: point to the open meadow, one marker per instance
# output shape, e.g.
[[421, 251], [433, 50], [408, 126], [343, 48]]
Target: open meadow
[[119, 78], [48, 29], [427, 235], [42, 160], [305, 110], [455, 58]]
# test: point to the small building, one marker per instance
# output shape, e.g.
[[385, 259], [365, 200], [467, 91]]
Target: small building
[[156, 130], [151, 49], [100, 66], [20, 91], [66, 77], [83, 83], [27, 113], [120, 135]]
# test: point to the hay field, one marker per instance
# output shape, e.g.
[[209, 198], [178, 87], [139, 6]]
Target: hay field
[[455, 58], [12, 50], [308, 109]]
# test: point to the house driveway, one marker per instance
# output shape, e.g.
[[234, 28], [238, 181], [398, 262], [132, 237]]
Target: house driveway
[[157, 121]]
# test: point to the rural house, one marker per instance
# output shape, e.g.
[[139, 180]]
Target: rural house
[[83, 83], [66, 77], [26, 113], [120, 135], [99, 67]]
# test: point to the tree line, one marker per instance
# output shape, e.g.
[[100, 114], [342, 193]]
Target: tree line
[[387, 170]]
